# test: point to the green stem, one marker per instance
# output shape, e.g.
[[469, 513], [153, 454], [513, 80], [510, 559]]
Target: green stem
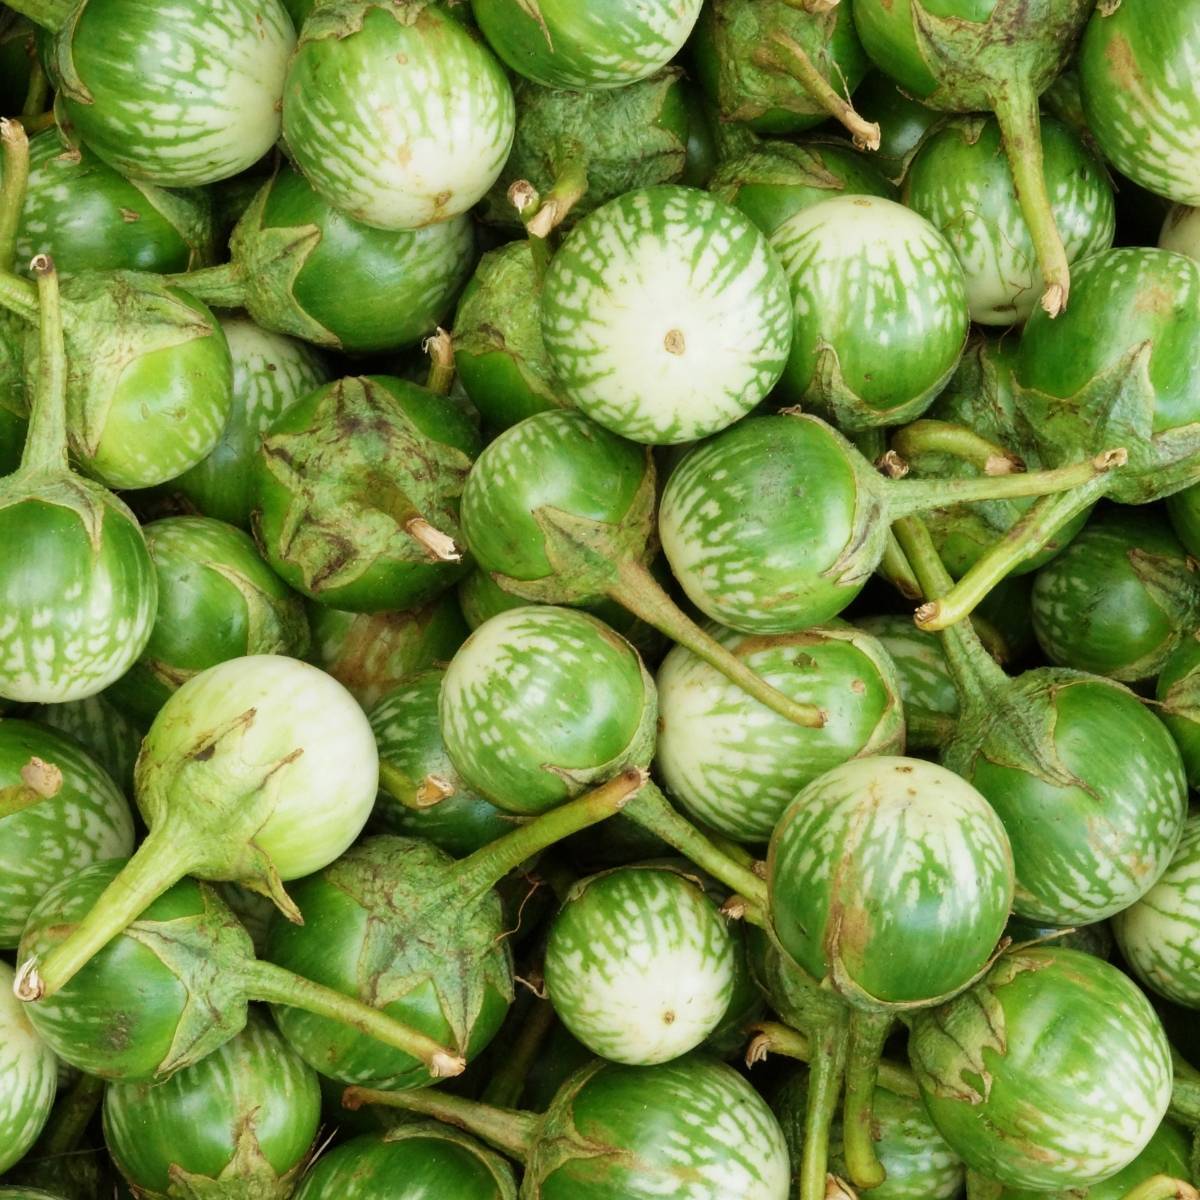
[[38, 92], [868, 1032], [1162, 1187], [893, 567], [14, 177], [1185, 1101], [651, 810], [270, 984], [826, 1071], [38, 123], [429, 793], [223, 286], [160, 861], [509, 1130], [440, 348], [956, 441], [478, 873], [527, 200], [50, 14], [638, 591], [508, 1080], [1016, 107], [46, 441], [976, 674], [70, 1119], [1026, 538], [790, 58], [19, 296], [906, 497], [39, 781], [928, 731], [569, 188]]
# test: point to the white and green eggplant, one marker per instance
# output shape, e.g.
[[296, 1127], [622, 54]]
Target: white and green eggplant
[[665, 316], [639, 964], [395, 113], [28, 1077], [879, 310], [733, 764]]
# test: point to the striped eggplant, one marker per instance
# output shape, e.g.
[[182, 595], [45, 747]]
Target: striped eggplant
[[259, 770], [995, 56], [148, 374], [370, 654], [1163, 1169], [420, 936], [1135, 64], [891, 878], [1157, 935], [1088, 782], [961, 182], [1119, 599], [421, 795], [88, 217], [299, 266], [240, 1121], [639, 964], [217, 600], [782, 67], [579, 150], [59, 812], [28, 1076], [690, 1128], [1177, 691], [176, 95], [665, 315], [561, 511], [734, 766], [78, 601], [918, 1162], [1181, 231], [974, 428], [929, 699], [591, 715], [1052, 1072], [879, 310], [102, 729], [561, 44], [270, 373], [395, 113], [356, 493], [902, 122], [776, 179], [409, 1162], [176, 985], [775, 525], [499, 353]]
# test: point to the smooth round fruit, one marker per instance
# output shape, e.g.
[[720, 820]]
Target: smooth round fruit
[[1052, 1072], [879, 310], [892, 878], [736, 766], [1177, 692], [28, 1076], [665, 315], [639, 965]]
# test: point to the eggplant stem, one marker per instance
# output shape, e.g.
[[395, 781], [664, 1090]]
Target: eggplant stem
[[652, 811], [868, 1032], [38, 91], [440, 546], [568, 189], [957, 441], [509, 1130], [40, 781], [790, 58], [440, 348], [508, 1080], [14, 165], [478, 873], [637, 590], [223, 286], [1026, 538], [1162, 1187], [159, 862], [826, 1071], [893, 567], [527, 200], [270, 984], [46, 442], [69, 1121], [1016, 109], [49, 14]]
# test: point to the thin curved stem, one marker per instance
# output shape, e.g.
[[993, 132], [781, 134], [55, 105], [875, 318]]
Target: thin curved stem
[[1162, 1187], [509, 1130], [38, 92], [956, 441], [14, 177], [1016, 109], [70, 1118], [1026, 538], [825, 1082], [270, 984], [570, 186], [508, 1080], [893, 567], [46, 441], [651, 810], [638, 591], [868, 1032], [787, 56], [222, 286], [440, 348], [527, 200]]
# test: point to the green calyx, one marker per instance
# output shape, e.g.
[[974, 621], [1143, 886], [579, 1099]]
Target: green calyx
[[49, 14], [357, 502]]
